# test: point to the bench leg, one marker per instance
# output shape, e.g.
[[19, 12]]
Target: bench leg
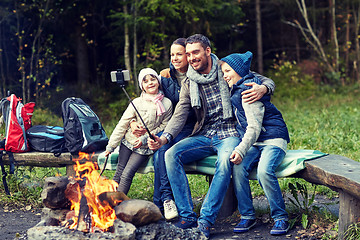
[[70, 170], [229, 204], [349, 212]]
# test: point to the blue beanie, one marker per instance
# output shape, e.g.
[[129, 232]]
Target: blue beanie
[[240, 62]]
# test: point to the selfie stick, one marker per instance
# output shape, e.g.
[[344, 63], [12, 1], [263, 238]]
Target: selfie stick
[[150, 135]]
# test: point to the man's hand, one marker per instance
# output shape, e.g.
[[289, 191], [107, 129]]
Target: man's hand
[[137, 143], [255, 93], [137, 129], [235, 158], [155, 145]]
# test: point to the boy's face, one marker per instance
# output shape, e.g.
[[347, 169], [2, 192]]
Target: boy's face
[[198, 57], [230, 76], [150, 84]]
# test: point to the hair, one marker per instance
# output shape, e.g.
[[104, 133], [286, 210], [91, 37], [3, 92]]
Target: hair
[[180, 41], [199, 38]]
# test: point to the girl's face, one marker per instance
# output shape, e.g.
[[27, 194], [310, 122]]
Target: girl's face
[[150, 84], [230, 76], [178, 58]]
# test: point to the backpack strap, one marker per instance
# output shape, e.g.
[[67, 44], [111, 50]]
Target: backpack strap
[[3, 167]]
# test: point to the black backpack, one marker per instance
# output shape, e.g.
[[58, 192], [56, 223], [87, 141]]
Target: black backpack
[[82, 128], [47, 139]]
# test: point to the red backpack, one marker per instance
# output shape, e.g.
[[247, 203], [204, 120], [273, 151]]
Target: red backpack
[[17, 118]]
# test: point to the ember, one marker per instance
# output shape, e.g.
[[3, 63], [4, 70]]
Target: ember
[[83, 192]]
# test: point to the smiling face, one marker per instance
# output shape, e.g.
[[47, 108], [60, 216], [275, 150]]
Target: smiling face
[[178, 58], [150, 84], [198, 57], [230, 76]]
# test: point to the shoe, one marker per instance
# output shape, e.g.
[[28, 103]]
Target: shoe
[[204, 228], [184, 224], [170, 210], [244, 225], [280, 227]]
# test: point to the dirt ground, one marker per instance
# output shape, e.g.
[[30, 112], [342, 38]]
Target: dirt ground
[[15, 222]]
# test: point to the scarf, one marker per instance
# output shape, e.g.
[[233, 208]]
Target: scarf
[[215, 74], [157, 99]]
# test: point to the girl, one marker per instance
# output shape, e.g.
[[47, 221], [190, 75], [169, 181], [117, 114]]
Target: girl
[[156, 111]]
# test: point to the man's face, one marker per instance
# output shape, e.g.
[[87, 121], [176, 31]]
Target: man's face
[[198, 57]]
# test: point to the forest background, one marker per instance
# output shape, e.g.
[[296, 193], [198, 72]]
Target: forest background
[[54, 49]]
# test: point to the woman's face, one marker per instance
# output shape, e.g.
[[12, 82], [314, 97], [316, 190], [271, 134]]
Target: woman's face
[[230, 76], [178, 58], [150, 84]]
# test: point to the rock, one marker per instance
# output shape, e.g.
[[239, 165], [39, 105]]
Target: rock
[[138, 212], [53, 194]]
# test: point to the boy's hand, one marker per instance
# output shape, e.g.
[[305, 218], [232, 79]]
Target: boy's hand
[[255, 93], [137, 129], [235, 158]]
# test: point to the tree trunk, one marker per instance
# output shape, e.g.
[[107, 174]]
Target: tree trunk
[[259, 37], [347, 40], [357, 48], [82, 64], [334, 36], [127, 39], [2, 67], [137, 90]]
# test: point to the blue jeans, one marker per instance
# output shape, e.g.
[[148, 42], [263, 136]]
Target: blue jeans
[[162, 188], [193, 149], [267, 159]]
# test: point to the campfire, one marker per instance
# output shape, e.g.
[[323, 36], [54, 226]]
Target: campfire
[[83, 191], [88, 206]]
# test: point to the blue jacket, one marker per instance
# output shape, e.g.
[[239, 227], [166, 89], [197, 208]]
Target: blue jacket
[[273, 125], [171, 89]]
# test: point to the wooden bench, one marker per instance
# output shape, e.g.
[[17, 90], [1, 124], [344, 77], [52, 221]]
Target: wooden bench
[[339, 173]]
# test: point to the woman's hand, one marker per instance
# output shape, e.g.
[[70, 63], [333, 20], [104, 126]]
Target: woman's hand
[[137, 129], [137, 143], [235, 158], [255, 93], [107, 153]]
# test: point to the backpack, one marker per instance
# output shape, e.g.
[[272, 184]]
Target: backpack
[[83, 131], [17, 118], [47, 139]]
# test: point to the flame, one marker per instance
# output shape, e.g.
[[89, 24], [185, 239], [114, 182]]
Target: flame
[[102, 215]]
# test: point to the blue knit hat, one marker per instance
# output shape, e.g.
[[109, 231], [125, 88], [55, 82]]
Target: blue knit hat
[[240, 62]]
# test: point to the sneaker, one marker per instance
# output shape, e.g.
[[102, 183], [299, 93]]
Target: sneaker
[[184, 224], [170, 210], [204, 228], [244, 225], [280, 227]]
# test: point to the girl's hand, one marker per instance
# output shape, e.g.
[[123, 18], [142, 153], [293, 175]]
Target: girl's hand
[[107, 153], [235, 158], [255, 93], [137, 144], [137, 129]]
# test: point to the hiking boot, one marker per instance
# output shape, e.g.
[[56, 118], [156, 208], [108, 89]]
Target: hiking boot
[[170, 210], [244, 225], [204, 228], [184, 224], [280, 227]]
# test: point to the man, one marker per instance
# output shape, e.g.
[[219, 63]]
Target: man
[[214, 133]]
